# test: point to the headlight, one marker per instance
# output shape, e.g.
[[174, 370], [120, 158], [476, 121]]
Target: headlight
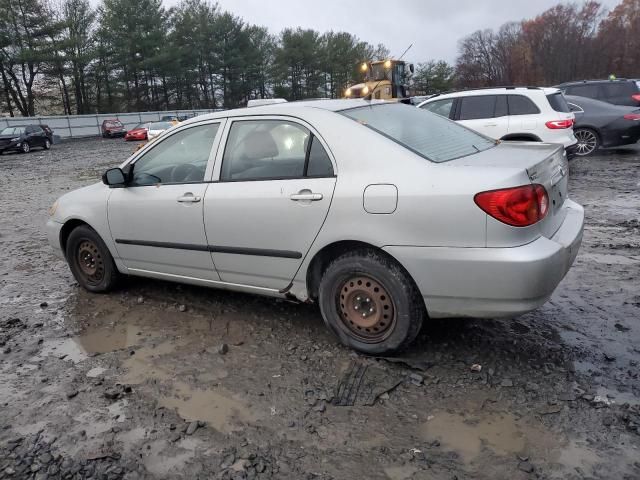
[[53, 208], [347, 93], [15, 139], [365, 91]]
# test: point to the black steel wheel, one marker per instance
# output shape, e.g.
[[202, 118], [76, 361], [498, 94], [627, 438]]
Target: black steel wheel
[[90, 260]]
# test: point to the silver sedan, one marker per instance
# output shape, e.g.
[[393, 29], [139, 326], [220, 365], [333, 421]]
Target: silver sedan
[[384, 214]]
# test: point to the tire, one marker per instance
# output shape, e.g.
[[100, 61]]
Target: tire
[[26, 148], [47, 144], [588, 142], [369, 282], [90, 260]]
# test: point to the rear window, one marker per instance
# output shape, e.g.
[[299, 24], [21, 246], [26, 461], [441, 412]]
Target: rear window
[[618, 89], [558, 102], [429, 135], [590, 91]]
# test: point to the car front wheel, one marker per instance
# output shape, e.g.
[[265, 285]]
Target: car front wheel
[[26, 148], [90, 260], [370, 302]]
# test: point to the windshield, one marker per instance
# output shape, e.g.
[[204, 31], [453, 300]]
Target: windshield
[[429, 135], [141, 125], [378, 72], [160, 126], [12, 131]]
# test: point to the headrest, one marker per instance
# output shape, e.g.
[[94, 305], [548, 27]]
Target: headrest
[[260, 144]]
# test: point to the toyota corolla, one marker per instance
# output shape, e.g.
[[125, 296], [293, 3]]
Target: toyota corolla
[[384, 214]]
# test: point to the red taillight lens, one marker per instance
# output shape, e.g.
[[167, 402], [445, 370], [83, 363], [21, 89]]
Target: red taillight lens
[[636, 97], [518, 206], [556, 124], [632, 116]]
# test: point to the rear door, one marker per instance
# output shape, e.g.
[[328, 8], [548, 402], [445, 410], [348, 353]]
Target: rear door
[[484, 114], [524, 115], [276, 182]]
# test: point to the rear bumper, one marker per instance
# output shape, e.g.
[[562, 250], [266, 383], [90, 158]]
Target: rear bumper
[[493, 282], [53, 236]]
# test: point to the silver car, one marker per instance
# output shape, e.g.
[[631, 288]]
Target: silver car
[[382, 213]]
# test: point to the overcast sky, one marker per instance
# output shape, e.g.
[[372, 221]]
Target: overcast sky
[[433, 26]]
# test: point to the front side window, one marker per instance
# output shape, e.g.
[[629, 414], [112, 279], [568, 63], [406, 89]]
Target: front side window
[[12, 131], [265, 149], [440, 107], [431, 136], [179, 158], [481, 106], [521, 105]]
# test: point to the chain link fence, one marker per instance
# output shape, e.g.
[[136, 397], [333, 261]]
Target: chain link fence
[[77, 126]]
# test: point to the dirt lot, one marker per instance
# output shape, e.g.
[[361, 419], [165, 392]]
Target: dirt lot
[[165, 381]]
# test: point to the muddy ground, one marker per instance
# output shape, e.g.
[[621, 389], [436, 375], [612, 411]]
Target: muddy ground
[[159, 380]]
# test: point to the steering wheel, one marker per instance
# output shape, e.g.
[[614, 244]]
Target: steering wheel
[[181, 173]]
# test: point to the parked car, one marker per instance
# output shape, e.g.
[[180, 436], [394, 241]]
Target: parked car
[[599, 124], [24, 138], [156, 128], [112, 128], [137, 133], [509, 113], [621, 91], [382, 213]]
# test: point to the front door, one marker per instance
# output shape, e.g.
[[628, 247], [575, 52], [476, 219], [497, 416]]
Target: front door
[[156, 221], [275, 188]]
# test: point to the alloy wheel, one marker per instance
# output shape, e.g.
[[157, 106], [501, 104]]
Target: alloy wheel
[[25, 147], [366, 309], [587, 142]]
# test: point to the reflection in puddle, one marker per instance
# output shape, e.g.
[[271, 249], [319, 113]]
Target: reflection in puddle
[[104, 340]]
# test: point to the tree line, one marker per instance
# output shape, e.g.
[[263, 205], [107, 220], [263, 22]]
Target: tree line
[[68, 57], [566, 42]]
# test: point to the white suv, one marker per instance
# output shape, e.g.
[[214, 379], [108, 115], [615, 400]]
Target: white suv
[[509, 113]]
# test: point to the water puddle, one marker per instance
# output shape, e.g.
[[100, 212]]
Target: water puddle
[[110, 339], [500, 433], [216, 407]]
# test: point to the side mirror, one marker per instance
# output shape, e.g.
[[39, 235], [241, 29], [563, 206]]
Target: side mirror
[[114, 178]]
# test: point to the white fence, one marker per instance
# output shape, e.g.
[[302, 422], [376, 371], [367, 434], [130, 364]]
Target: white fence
[[73, 126]]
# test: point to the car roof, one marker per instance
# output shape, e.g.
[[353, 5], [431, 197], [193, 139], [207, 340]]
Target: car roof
[[598, 104], [587, 82], [289, 108], [493, 91]]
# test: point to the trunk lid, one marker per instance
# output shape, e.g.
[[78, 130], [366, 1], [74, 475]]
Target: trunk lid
[[541, 163]]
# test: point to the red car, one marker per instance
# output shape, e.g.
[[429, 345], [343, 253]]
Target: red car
[[112, 128], [139, 132]]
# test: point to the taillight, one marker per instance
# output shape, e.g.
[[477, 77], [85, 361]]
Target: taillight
[[556, 124], [518, 206], [632, 116], [636, 97]]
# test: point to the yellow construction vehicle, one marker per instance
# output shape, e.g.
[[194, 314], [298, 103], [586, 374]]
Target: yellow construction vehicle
[[383, 79]]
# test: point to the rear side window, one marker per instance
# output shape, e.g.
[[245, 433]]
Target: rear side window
[[558, 102], [441, 107], [618, 89], [431, 136], [590, 91], [521, 105], [482, 106], [319, 164]]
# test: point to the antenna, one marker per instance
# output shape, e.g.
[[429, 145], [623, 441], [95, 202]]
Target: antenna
[[369, 96]]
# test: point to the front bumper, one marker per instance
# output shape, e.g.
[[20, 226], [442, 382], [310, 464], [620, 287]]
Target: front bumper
[[493, 282], [11, 147], [53, 229]]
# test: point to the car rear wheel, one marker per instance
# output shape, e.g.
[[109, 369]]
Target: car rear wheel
[[26, 148], [370, 302], [588, 141], [90, 260], [47, 144]]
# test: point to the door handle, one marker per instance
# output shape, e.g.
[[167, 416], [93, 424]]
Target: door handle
[[188, 198], [490, 124], [310, 197]]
